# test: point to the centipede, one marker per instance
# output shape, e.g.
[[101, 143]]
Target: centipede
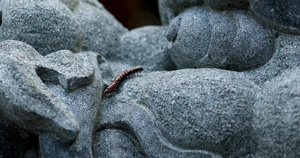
[[116, 82]]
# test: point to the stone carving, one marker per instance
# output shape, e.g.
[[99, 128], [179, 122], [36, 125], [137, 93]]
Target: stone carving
[[276, 116], [218, 81], [147, 46], [101, 31], [47, 26], [280, 15], [219, 40], [25, 100]]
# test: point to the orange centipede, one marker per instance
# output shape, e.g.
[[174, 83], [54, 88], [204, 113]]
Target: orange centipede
[[116, 82]]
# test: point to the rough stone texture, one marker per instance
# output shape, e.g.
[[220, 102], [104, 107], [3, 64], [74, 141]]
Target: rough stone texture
[[205, 38], [147, 46], [227, 4], [137, 123], [84, 102], [169, 9], [24, 98], [53, 105], [100, 29], [64, 72], [51, 146], [281, 15], [123, 143], [14, 142], [72, 4], [277, 112], [286, 56], [46, 25], [192, 111], [203, 109]]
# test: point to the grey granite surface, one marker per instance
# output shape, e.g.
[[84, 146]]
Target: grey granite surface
[[26, 100], [202, 38], [101, 31], [47, 26], [276, 116], [281, 15], [219, 79], [147, 46]]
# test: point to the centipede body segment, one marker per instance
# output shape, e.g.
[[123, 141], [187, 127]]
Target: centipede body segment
[[116, 82]]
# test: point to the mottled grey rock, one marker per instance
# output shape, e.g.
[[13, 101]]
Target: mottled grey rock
[[71, 80], [109, 139], [169, 9], [281, 15], [72, 4], [206, 109], [46, 25], [227, 4], [147, 46], [230, 40], [138, 124], [276, 120], [192, 111], [50, 146], [84, 103], [286, 56], [69, 70], [184, 113], [14, 142], [25, 100], [100, 29]]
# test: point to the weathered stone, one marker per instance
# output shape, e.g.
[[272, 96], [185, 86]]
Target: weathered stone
[[206, 38], [137, 124], [84, 102], [111, 138], [51, 146], [169, 9], [46, 25], [281, 15], [276, 117], [206, 109], [198, 110], [227, 4], [100, 29], [71, 81], [286, 56], [147, 46], [24, 98], [72, 4], [69, 70], [52, 104]]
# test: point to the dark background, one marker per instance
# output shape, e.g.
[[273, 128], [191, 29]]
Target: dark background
[[133, 13]]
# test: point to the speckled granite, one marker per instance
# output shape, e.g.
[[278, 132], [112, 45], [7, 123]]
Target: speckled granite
[[220, 79]]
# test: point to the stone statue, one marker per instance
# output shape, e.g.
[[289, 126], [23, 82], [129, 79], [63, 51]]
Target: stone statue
[[220, 78]]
